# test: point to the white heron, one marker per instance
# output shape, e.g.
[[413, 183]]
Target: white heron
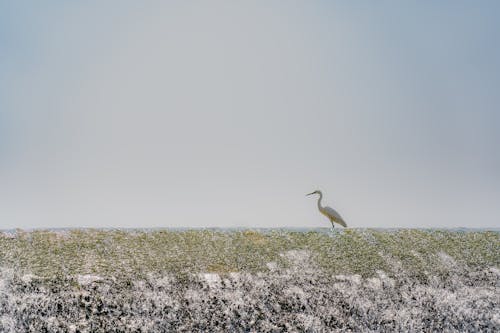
[[329, 212]]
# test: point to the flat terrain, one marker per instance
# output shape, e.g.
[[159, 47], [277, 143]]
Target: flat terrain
[[249, 280], [136, 254]]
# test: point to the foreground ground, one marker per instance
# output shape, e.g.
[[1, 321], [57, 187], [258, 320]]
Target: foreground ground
[[359, 280]]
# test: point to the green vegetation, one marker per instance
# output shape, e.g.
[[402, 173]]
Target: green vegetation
[[135, 254]]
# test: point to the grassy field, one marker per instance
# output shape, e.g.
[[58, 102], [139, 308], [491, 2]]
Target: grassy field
[[136, 254]]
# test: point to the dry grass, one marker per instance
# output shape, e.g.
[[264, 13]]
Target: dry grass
[[136, 254]]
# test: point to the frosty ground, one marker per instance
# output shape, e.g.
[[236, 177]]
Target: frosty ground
[[249, 280]]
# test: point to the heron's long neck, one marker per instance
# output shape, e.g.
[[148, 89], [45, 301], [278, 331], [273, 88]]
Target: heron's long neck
[[319, 201]]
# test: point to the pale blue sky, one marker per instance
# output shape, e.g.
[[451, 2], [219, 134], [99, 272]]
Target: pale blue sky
[[183, 114]]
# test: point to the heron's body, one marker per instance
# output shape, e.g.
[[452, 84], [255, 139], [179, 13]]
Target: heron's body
[[329, 212]]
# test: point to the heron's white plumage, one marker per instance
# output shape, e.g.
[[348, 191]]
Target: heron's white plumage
[[332, 214], [329, 212]]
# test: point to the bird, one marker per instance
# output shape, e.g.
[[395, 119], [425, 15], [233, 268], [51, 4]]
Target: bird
[[329, 212]]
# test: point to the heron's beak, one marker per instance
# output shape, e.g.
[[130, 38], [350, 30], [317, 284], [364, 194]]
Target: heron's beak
[[310, 193]]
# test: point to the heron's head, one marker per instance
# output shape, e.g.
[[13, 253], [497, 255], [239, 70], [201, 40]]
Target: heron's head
[[315, 192]]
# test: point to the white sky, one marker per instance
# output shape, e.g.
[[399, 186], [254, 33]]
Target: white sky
[[226, 114]]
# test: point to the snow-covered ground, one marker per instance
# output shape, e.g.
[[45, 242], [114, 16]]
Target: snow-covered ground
[[295, 290]]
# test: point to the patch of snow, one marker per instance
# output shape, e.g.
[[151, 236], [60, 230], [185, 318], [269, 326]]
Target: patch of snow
[[310, 322], [295, 290], [272, 266], [297, 257], [212, 279], [495, 271], [447, 260], [354, 279], [374, 283], [27, 278], [84, 280]]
